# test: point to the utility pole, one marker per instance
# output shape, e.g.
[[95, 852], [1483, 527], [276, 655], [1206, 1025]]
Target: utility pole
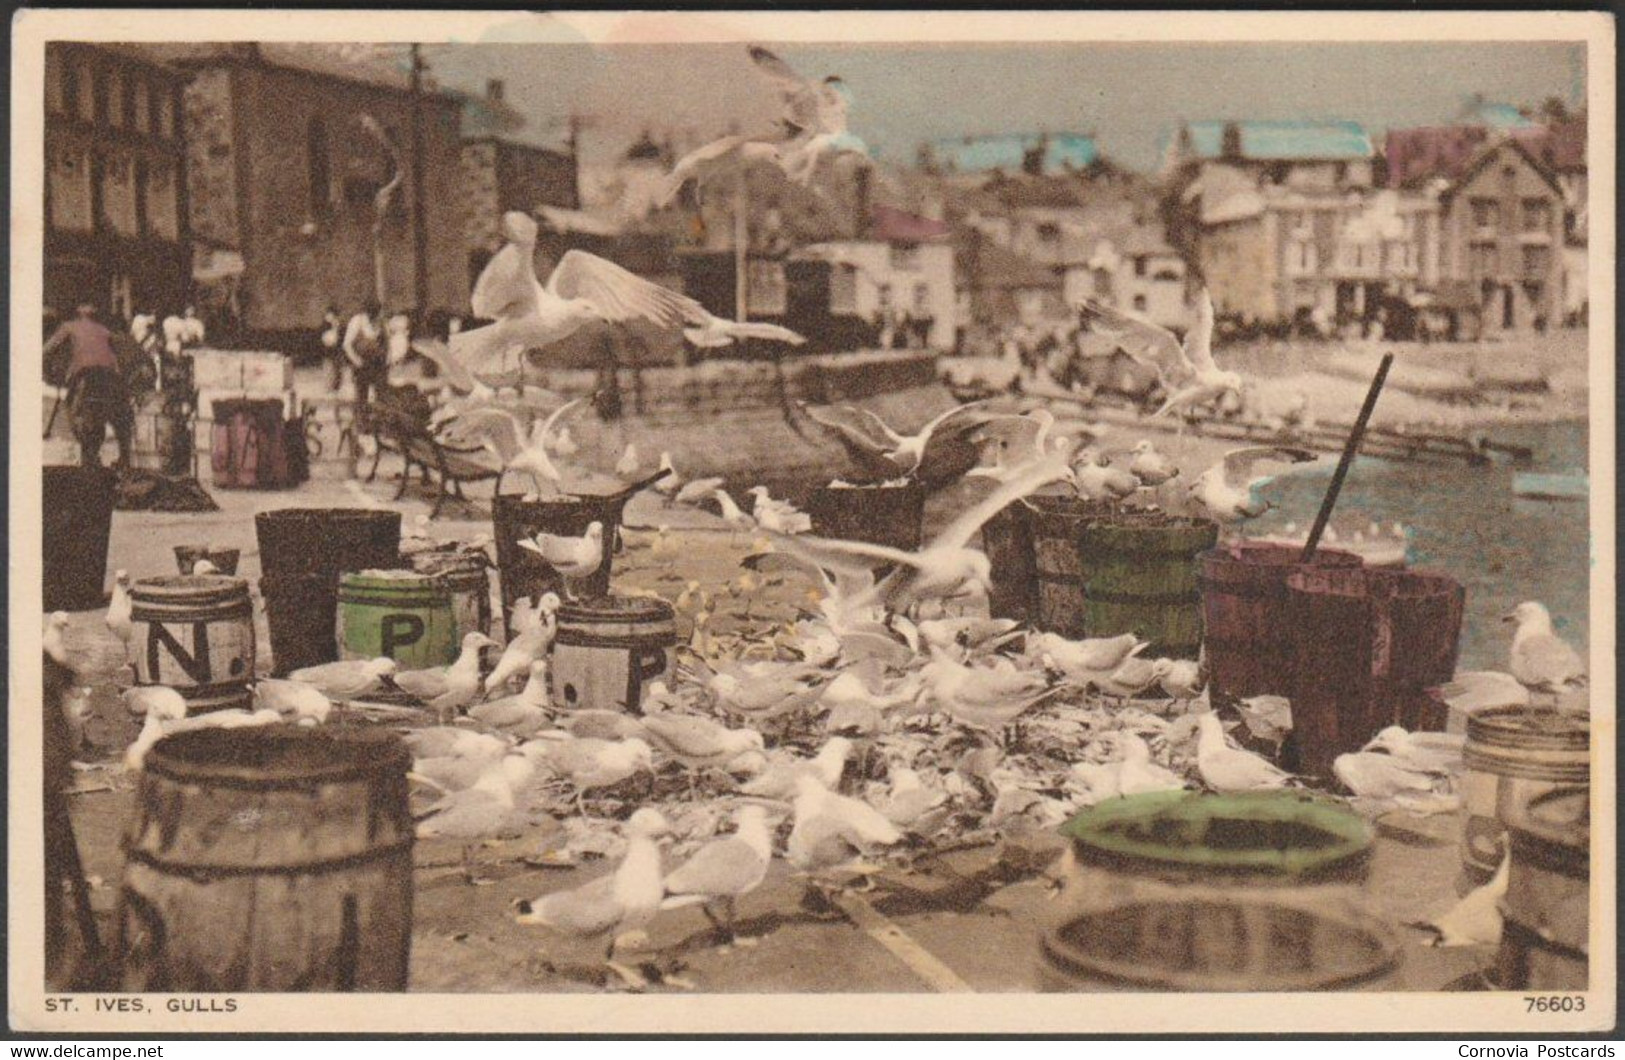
[[741, 251], [420, 234], [574, 143]]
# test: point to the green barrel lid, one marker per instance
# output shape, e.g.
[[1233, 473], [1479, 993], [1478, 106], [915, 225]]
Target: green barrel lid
[[1286, 834]]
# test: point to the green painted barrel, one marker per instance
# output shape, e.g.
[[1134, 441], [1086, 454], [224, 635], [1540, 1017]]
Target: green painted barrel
[[1140, 573], [402, 614]]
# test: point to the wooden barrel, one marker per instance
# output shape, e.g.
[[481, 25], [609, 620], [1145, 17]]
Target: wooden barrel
[[1244, 632], [77, 509], [526, 576], [399, 613], [1545, 932], [1185, 891], [302, 553], [224, 559], [608, 649], [274, 859], [1364, 644], [466, 580], [194, 633], [880, 515], [1007, 539], [1514, 755], [1140, 577], [1032, 547]]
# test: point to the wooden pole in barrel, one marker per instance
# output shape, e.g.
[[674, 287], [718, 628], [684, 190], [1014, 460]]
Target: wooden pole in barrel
[[1350, 447]]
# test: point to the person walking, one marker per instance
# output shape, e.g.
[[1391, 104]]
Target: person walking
[[97, 394], [364, 349]]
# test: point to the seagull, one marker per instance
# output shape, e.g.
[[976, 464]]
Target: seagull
[[297, 701], [347, 679], [1182, 679], [1540, 660], [886, 454], [779, 780], [1097, 480], [722, 157], [503, 436], [588, 763], [621, 902], [1372, 775], [1217, 488], [717, 332], [946, 567], [1132, 773], [1133, 676], [1188, 372], [780, 517], [53, 641], [1476, 919], [1088, 659], [814, 117], [831, 830], [1438, 753], [678, 491], [119, 609], [732, 514], [913, 806], [1226, 769], [1471, 691], [1150, 466], [448, 688], [1020, 440], [982, 698], [698, 743], [574, 558], [583, 289], [766, 689], [445, 741], [203, 568], [601, 725], [158, 704], [562, 443], [485, 808], [520, 715], [626, 468], [526, 648], [723, 871]]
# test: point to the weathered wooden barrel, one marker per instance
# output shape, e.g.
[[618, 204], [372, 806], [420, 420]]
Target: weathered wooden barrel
[[607, 650], [224, 559], [274, 859], [1245, 634], [399, 613], [1364, 643], [1545, 936], [1032, 547], [302, 553], [1140, 577], [526, 576], [1514, 755], [1184, 891], [467, 580], [194, 633], [880, 515], [77, 508]]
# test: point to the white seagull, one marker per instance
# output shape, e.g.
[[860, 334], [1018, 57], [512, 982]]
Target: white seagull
[[723, 871], [884, 453], [574, 558], [1225, 490], [1540, 660], [1188, 372], [1228, 769]]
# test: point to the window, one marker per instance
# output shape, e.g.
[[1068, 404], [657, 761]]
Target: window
[[883, 296], [843, 290], [1048, 232], [1139, 303], [99, 90], [318, 169], [1302, 258], [1139, 265], [53, 80], [1537, 261], [1103, 282], [159, 200], [115, 100], [905, 258], [70, 188], [1537, 215], [1482, 259], [141, 103], [163, 123], [922, 299], [1486, 214]]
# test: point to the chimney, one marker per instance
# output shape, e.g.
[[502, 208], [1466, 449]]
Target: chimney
[[496, 90]]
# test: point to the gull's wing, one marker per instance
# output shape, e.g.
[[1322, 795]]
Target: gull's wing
[[506, 287], [485, 350], [1151, 345], [841, 556], [440, 354], [1199, 339], [940, 421], [858, 424], [1240, 464], [1549, 659], [619, 294], [801, 99], [1017, 434], [1039, 474], [498, 426], [688, 167], [723, 867], [559, 413]]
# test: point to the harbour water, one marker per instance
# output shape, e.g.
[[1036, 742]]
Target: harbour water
[[1466, 522]]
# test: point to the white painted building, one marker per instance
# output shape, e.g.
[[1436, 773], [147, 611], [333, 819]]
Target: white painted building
[[877, 276]]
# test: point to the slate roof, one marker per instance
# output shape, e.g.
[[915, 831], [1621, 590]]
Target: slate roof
[[983, 154], [1269, 141]]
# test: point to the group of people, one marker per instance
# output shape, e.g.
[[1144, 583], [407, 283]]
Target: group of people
[[105, 372], [371, 346]]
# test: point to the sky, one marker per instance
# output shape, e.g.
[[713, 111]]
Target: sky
[[1129, 95]]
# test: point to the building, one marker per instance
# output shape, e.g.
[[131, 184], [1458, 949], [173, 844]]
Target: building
[[116, 232], [1503, 235], [1037, 154], [505, 167], [999, 287], [1308, 154], [284, 167], [901, 271], [1135, 268]]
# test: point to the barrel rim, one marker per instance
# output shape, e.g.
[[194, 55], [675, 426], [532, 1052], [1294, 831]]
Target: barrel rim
[[368, 756], [1249, 556], [1437, 584], [189, 588], [1095, 834], [1508, 727], [615, 609], [278, 516]]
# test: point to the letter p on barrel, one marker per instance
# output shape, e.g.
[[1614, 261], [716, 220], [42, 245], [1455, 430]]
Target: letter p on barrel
[[402, 614]]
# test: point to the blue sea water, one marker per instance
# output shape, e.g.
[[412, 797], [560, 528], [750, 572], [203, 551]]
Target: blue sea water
[[1466, 522]]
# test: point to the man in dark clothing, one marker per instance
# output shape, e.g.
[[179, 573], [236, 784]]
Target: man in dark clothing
[[97, 395]]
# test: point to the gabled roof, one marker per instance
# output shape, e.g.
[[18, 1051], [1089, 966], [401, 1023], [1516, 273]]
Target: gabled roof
[[1489, 154], [891, 225], [381, 66], [982, 154], [1282, 141]]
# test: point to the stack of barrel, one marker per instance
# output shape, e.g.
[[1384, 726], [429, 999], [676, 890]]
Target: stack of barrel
[[303, 554]]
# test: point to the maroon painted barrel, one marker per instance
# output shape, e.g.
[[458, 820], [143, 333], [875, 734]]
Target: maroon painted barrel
[[879, 515], [1364, 645], [1245, 630], [524, 574]]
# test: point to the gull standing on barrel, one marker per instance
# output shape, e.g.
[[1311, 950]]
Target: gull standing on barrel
[[1541, 661], [574, 558], [1225, 490]]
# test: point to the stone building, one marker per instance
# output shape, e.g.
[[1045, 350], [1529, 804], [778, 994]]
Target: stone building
[[115, 183], [284, 170]]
